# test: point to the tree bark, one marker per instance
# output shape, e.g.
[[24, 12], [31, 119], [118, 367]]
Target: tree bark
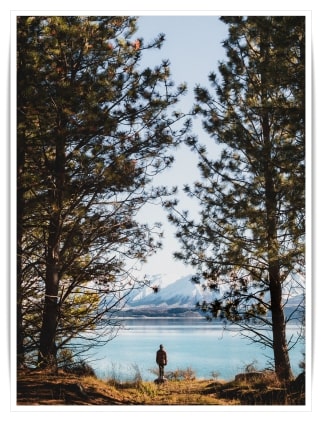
[[281, 356], [47, 346]]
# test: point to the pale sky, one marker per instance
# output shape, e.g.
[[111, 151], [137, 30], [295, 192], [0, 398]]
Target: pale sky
[[193, 46]]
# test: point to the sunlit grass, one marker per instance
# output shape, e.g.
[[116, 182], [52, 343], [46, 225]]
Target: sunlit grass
[[180, 388]]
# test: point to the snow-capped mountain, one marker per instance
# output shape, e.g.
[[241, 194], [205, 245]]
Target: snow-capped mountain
[[181, 293], [174, 299], [178, 299]]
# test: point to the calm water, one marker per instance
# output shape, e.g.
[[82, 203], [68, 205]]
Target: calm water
[[204, 347]]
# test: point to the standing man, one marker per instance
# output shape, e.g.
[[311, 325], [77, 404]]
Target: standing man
[[161, 360]]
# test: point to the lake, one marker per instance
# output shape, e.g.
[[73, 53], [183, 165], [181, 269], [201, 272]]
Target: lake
[[205, 347]]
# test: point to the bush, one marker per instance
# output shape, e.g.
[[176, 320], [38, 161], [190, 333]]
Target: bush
[[79, 367], [181, 374]]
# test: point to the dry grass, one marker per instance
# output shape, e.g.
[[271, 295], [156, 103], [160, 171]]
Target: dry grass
[[44, 388]]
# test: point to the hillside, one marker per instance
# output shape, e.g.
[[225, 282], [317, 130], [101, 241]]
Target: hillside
[[179, 299], [43, 388]]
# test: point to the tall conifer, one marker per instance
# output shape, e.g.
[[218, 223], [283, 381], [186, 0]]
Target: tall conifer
[[249, 242], [94, 127]]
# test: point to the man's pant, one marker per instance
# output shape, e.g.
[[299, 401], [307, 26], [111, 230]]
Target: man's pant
[[161, 371]]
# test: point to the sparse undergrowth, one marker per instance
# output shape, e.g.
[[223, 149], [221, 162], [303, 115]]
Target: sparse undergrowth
[[36, 387]]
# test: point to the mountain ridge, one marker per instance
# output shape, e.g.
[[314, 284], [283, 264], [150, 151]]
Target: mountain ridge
[[178, 299]]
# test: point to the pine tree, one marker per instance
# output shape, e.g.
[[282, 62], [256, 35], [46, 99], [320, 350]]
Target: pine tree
[[249, 242], [94, 127]]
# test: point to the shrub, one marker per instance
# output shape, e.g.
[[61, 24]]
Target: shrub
[[215, 375], [67, 363], [181, 374]]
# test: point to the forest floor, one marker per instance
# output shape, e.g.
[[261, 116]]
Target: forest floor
[[42, 388]]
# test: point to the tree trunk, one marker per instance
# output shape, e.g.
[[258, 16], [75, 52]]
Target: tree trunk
[[47, 346], [281, 356]]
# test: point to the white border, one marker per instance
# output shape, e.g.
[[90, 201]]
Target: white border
[[36, 8]]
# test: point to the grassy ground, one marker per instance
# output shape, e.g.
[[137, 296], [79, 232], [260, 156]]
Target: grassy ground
[[44, 388]]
